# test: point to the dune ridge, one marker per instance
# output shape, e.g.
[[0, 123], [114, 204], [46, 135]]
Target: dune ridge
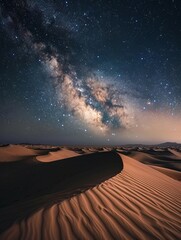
[[57, 155], [138, 203]]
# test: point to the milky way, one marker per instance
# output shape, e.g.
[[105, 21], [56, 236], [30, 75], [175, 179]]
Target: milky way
[[93, 101], [90, 99]]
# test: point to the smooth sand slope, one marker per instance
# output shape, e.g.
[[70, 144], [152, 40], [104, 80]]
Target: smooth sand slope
[[12, 153], [165, 161], [125, 199], [58, 155]]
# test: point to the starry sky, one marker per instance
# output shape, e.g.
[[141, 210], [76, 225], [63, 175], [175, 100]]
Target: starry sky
[[90, 72]]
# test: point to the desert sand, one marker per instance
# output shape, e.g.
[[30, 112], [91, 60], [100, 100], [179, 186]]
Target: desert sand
[[89, 193]]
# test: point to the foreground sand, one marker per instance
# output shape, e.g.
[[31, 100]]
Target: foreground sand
[[105, 196]]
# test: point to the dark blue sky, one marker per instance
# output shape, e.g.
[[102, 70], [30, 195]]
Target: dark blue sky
[[90, 72]]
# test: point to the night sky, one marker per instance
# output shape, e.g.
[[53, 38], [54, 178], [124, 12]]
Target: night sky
[[90, 72]]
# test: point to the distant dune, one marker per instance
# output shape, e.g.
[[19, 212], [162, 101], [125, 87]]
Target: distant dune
[[166, 161], [58, 155], [89, 193], [12, 153]]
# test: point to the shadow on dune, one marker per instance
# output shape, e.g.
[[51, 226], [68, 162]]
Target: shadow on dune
[[29, 185]]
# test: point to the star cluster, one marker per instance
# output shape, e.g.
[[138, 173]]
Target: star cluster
[[90, 72]]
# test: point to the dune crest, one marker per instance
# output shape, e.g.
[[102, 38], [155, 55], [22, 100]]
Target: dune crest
[[58, 155]]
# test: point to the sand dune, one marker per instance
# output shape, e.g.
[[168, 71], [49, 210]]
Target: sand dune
[[169, 172], [167, 162], [176, 153], [125, 199], [58, 155], [33, 184], [11, 153]]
